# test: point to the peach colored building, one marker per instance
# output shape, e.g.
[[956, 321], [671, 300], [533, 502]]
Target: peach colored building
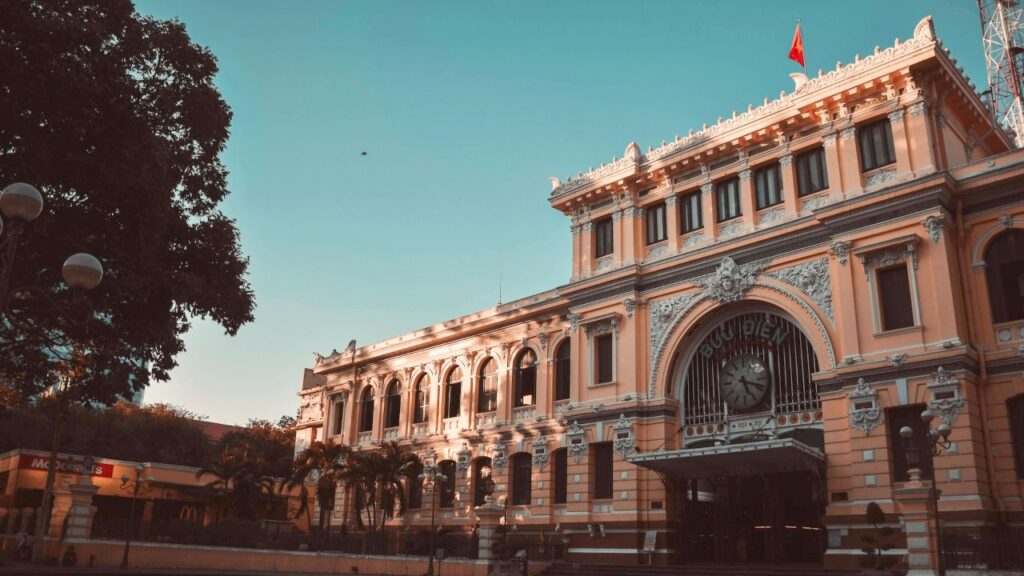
[[753, 313]]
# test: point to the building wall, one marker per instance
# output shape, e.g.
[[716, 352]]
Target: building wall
[[950, 189]]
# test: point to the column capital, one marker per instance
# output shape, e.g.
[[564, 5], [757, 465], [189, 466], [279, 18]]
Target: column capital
[[744, 175], [786, 160], [896, 116], [848, 132], [707, 188], [829, 139], [671, 201], [616, 216]]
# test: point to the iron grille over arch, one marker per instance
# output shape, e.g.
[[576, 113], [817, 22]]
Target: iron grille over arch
[[765, 337]]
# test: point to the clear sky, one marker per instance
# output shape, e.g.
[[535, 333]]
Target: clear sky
[[465, 108]]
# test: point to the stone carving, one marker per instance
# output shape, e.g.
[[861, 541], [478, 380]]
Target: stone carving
[[661, 312], [543, 339], [630, 305], [934, 225], [865, 414], [605, 264], [897, 360], [811, 278], [848, 133], [918, 108], [731, 229], [604, 327], [462, 458], [540, 453], [499, 460], [771, 216], [841, 250], [574, 320], [889, 257], [693, 239], [815, 202], [946, 402], [623, 430], [896, 116], [880, 178], [730, 281], [658, 252], [577, 441]]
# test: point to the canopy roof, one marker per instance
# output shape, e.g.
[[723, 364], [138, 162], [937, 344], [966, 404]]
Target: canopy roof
[[775, 455]]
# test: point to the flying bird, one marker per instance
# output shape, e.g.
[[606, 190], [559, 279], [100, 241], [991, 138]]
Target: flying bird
[[363, 154]]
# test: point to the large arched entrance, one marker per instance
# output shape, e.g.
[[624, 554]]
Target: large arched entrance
[[748, 482]]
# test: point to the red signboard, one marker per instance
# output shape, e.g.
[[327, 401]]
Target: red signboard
[[65, 465]]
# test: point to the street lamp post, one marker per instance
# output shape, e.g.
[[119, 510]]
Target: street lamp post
[[938, 439], [21, 203], [430, 477], [134, 487]]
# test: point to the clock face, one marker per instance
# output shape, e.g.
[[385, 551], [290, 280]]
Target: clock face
[[744, 381]]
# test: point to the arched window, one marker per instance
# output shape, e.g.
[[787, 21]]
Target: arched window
[[563, 369], [522, 468], [1004, 272], [446, 488], [487, 387], [526, 379], [453, 393], [366, 410], [392, 405], [422, 405], [482, 474]]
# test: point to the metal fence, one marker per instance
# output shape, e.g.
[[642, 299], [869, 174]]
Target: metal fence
[[984, 548]]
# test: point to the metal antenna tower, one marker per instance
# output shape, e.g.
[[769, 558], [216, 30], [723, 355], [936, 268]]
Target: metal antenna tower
[[1003, 37]]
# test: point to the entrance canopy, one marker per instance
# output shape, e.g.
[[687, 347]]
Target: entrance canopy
[[776, 455]]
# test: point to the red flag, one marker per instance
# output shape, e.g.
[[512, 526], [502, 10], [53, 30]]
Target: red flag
[[796, 51]]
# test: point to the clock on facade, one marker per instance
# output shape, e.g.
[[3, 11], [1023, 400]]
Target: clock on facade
[[744, 381]]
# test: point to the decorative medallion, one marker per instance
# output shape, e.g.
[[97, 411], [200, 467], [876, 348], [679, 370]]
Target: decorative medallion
[[934, 225], [577, 441], [841, 250], [730, 282], [865, 414], [946, 401], [540, 453]]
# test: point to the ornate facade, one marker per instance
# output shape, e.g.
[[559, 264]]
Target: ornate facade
[[751, 311]]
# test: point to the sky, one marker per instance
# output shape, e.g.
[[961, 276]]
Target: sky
[[464, 110]]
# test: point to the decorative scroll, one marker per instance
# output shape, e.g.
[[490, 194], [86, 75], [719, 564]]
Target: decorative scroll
[[624, 440], [812, 278], [865, 414], [730, 282], [577, 441]]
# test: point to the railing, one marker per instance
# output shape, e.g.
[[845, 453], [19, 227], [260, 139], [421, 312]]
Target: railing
[[452, 424], [485, 419], [364, 437], [421, 429], [524, 413], [984, 548], [391, 433]]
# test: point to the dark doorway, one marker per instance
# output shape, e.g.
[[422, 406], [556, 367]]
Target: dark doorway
[[756, 518]]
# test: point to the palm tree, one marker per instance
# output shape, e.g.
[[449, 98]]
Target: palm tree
[[237, 478], [327, 463]]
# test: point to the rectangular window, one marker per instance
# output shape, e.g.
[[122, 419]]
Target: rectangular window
[[811, 173], [603, 469], [655, 216], [604, 352], [915, 452], [603, 239], [563, 371], [415, 498], [897, 307], [691, 216], [561, 477], [768, 184], [422, 403], [876, 147], [727, 199], [1015, 408], [522, 467], [338, 418]]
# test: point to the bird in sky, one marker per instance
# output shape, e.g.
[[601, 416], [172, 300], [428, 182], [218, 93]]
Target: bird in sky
[[363, 153]]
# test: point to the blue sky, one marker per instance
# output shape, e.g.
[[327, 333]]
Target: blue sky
[[465, 108]]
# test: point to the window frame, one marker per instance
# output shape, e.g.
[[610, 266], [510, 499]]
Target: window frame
[[996, 266], [691, 204], [763, 173], [871, 137], [656, 223], [603, 470], [563, 370], [421, 411], [337, 416], [560, 476], [521, 486], [599, 357], [487, 393], [449, 385], [604, 238], [729, 190], [890, 307], [366, 405], [524, 376], [802, 162]]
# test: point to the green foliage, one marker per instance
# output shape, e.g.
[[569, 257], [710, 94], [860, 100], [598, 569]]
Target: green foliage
[[269, 446], [116, 119], [875, 544]]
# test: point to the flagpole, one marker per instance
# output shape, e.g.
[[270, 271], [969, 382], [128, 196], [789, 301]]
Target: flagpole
[[803, 45]]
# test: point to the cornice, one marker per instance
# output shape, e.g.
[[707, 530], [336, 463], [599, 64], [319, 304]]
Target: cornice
[[887, 373]]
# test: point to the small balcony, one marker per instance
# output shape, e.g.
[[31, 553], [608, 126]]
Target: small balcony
[[391, 433], [453, 424], [365, 437], [485, 419], [420, 428], [524, 413]]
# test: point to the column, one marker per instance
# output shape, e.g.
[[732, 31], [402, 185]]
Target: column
[[672, 227], [844, 301], [587, 250], [748, 206], [920, 140], [899, 144], [790, 193], [851, 183], [629, 233], [835, 178], [944, 268], [915, 506], [489, 513], [577, 252], [82, 511], [618, 238], [707, 206]]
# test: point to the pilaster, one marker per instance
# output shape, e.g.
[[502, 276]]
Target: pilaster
[[790, 200], [747, 204], [920, 140], [672, 227], [707, 206], [577, 250], [586, 240], [849, 160], [626, 248], [900, 144], [917, 509], [832, 164]]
